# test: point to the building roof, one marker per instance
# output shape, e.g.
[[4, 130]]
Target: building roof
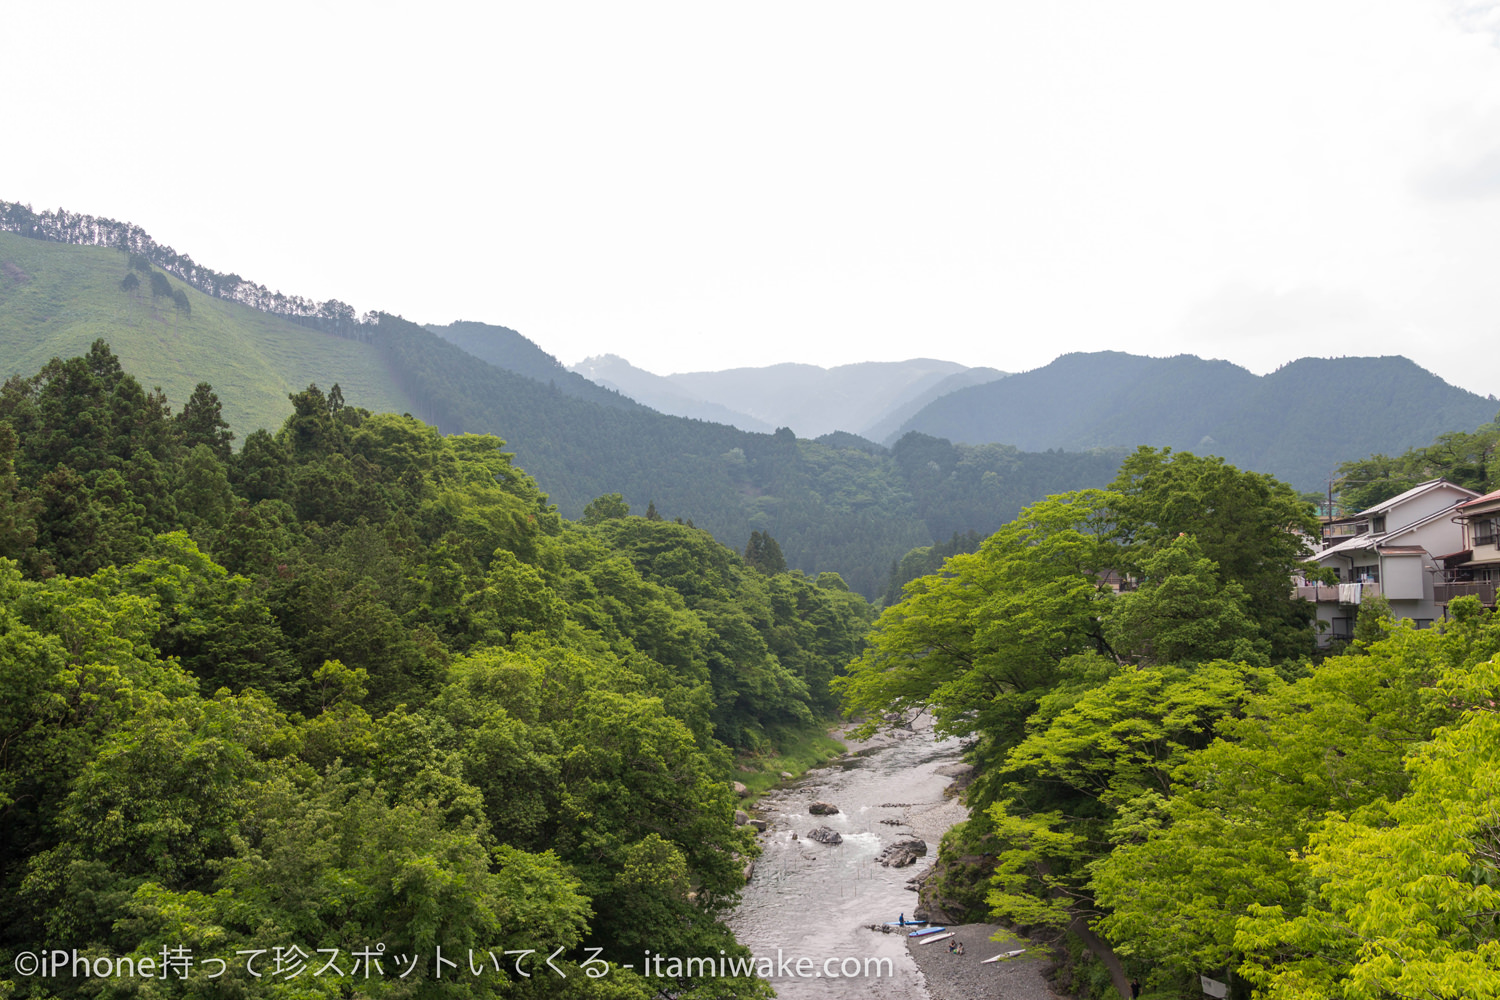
[[1348, 545], [1373, 540], [1402, 550], [1413, 493], [1487, 498]]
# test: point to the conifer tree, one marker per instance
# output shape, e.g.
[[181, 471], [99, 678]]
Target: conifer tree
[[764, 554]]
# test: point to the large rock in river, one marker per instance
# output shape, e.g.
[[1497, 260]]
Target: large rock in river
[[822, 809], [902, 853], [824, 835]]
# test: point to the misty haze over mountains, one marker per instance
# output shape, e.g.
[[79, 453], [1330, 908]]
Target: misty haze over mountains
[[870, 399], [1297, 422], [849, 468]]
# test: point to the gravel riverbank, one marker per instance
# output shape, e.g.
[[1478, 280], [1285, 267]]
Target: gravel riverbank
[[966, 977]]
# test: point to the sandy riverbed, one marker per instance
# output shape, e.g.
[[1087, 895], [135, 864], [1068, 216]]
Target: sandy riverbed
[[966, 977]]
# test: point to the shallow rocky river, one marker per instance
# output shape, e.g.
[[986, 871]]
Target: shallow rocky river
[[817, 901]]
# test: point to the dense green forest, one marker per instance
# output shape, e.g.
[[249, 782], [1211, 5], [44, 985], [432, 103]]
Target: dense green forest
[[843, 505], [359, 682], [1169, 785]]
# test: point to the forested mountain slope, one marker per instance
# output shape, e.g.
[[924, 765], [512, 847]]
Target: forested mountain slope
[[845, 509], [505, 348], [888, 427], [1367, 405], [840, 505], [1297, 423]]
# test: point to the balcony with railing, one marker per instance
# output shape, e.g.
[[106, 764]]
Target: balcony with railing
[[1337, 593], [1482, 589]]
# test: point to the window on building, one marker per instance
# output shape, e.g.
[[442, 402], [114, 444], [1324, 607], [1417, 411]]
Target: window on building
[[1377, 523], [1484, 531]]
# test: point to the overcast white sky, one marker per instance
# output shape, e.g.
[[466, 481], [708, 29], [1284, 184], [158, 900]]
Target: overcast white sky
[[701, 185]]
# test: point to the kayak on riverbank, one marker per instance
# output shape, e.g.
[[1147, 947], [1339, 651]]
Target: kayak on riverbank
[[1015, 974]]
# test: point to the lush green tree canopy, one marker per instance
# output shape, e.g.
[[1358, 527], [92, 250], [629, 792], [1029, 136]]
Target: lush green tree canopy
[[361, 682], [1162, 779]]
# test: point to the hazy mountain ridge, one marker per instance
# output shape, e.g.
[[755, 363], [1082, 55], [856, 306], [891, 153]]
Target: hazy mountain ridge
[[868, 399], [888, 426], [505, 348], [842, 502], [1297, 423], [662, 394], [845, 505], [813, 401]]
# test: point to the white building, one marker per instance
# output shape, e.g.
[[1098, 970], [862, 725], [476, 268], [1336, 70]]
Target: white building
[[1474, 568], [1392, 549]]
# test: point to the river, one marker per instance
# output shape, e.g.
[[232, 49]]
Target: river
[[815, 901]]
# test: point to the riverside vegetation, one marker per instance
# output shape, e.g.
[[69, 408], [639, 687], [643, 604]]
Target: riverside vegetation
[[1170, 785], [358, 682]]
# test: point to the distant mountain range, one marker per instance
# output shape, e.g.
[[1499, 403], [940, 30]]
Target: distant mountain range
[[505, 348], [662, 394], [903, 454], [870, 399], [1297, 423], [843, 504]]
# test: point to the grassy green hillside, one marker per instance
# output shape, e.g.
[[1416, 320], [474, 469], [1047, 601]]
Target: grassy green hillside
[[57, 299]]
